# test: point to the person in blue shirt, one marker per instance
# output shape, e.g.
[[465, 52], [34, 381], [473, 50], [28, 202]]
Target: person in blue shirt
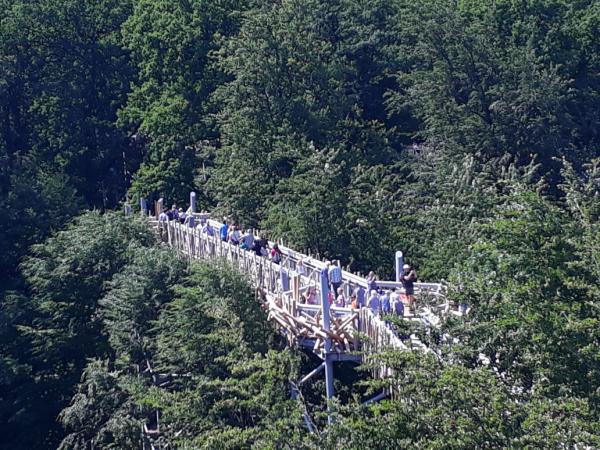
[[398, 307], [373, 302], [224, 231], [207, 228], [172, 213], [396, 303], [385, 303], [334, 274], [181, 216], [190, 221]]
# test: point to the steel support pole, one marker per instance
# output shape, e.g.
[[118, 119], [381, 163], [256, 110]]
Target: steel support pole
[[192, 202], [377, 398], [319, 368], [399, 264], [326, 325]]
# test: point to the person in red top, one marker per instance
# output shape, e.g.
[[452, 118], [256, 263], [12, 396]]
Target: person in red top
[[276, 254]]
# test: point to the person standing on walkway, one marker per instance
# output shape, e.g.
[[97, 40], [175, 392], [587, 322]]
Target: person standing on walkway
[[163, 217], [409, 277], [340, 300], [190, 220], [248, 239], [172, 214], [224, 230], [354, 302], [207, 228], [300, 269], [384, 299], [373, 302], [276, 254], [335, 276], [371, 281], [235, 236], [398, 306]]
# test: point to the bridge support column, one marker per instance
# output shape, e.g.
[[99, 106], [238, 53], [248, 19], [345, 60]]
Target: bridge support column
[[326, 326], [377, 398]]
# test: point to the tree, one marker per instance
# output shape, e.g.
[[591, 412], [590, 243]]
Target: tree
[[532, 306], [67, 275], [170, 44], [101, 413]]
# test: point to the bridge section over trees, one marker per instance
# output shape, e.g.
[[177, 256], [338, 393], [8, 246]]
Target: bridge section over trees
[[331, 332]]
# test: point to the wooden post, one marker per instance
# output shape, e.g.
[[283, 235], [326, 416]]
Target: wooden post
[[160, 205], [296, 287], [144, 207]]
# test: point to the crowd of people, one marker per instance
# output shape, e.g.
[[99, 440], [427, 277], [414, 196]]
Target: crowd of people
[[227, 232], [379, 300]]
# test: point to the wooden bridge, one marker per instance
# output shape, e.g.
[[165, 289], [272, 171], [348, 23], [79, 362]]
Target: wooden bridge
[[331, 332]]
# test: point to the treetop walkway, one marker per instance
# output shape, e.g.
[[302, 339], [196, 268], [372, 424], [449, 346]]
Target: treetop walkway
[[331, 332]]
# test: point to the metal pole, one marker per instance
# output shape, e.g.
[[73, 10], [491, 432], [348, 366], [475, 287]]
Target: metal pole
[[326, 325], [192, 202], [377, 398], [399, 264], [319, 368]]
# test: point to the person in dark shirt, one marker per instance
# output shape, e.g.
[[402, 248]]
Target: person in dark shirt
[[408, 282], [172, 213], [257, 247], [276, 254]]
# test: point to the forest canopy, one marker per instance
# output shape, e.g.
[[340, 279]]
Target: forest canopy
[[464, 133]]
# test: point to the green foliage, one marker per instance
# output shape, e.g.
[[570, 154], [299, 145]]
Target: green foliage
[[461, 132], [135, 294], [191, 343], [170, 45], [101, 412], [532, 303], [58, 327]]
